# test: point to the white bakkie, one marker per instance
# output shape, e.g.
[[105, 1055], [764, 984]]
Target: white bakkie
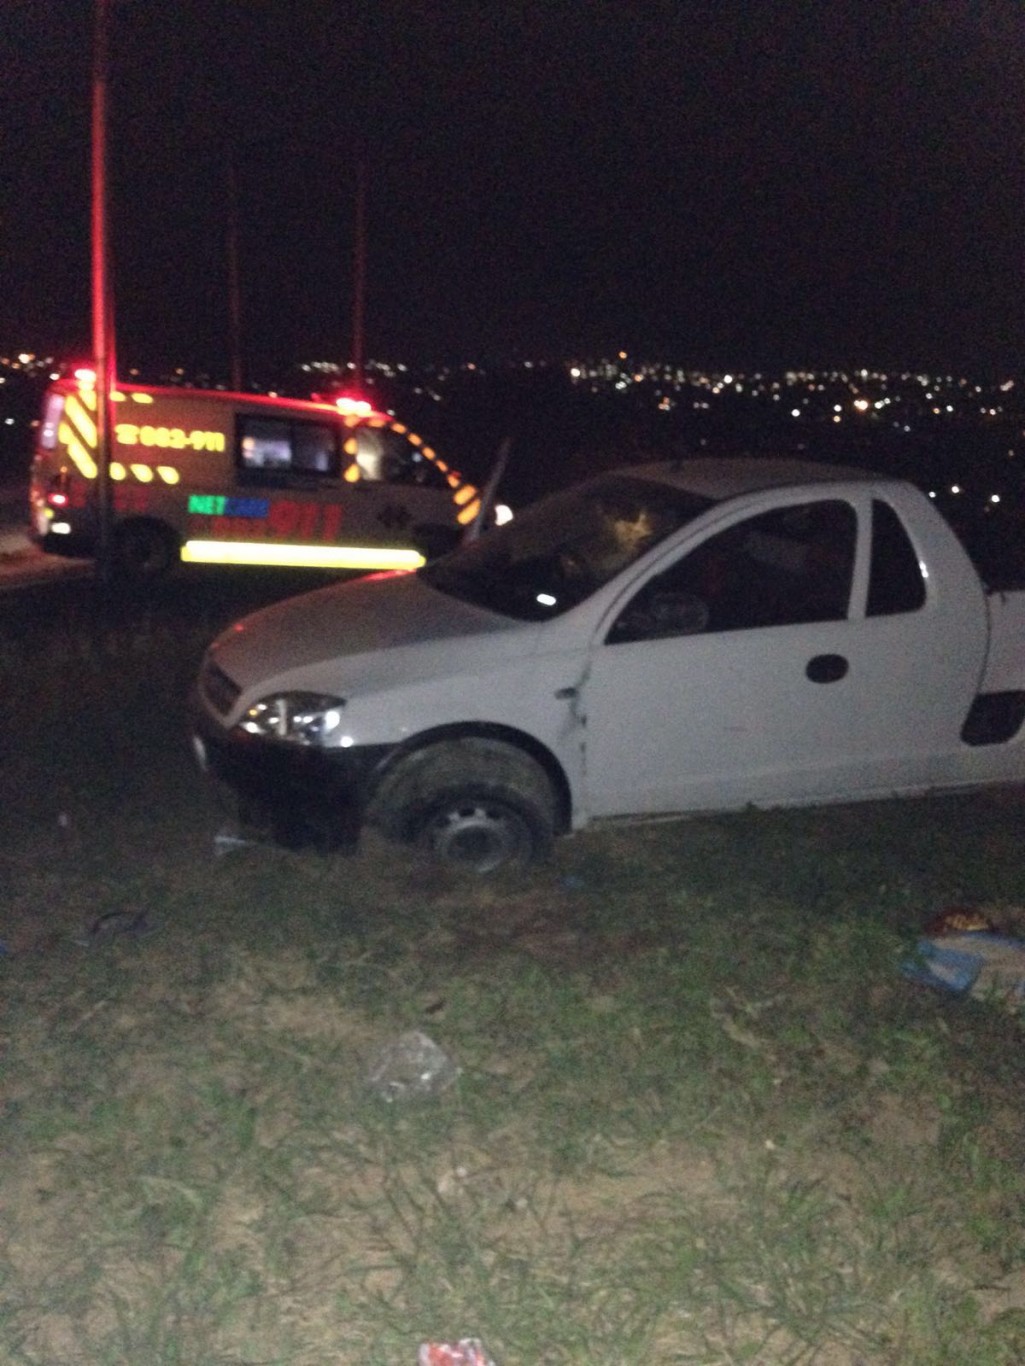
[[683, 637]]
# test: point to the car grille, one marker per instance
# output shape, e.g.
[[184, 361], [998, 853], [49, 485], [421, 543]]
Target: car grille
[[218, 689]]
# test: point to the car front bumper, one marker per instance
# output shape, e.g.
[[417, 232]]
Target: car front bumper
[[299, 795]]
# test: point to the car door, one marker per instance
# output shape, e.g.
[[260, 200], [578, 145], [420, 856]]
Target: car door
[[776, 663]]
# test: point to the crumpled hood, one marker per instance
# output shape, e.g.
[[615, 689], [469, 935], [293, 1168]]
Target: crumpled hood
[[344, 635]]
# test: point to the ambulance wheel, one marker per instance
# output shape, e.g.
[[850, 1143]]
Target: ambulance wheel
[[474, 804], [145, 550], [433, 541]]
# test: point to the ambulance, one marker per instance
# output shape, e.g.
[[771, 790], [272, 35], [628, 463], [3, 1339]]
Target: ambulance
[[209, 477]]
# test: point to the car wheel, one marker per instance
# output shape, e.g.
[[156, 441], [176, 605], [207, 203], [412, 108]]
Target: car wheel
[[475, 804], [145, 551]]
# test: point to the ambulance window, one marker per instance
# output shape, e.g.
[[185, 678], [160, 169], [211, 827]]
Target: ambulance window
[[264, 444], [271, 449], [424, 472], [52, 410], [386, 456], [315, 449]]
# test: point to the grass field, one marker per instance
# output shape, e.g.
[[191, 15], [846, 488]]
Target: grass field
[[699, 1116]]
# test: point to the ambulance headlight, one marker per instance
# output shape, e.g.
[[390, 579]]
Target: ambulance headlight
[[303, 718]]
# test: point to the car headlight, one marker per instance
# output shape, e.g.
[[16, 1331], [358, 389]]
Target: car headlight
[[304, 718]]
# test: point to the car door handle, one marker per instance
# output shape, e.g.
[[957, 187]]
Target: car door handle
[[826, 668]]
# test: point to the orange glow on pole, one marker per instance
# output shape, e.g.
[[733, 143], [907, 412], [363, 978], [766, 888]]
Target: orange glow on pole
[[102, 302]]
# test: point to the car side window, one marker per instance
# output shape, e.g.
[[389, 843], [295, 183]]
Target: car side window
[[791, 565], [895, 581]]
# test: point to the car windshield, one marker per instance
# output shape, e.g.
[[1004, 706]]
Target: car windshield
[[562, 549]]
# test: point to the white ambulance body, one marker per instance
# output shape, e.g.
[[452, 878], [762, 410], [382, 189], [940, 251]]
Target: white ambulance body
[[206, 476]]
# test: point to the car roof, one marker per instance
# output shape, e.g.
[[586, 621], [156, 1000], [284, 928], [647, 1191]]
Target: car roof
[[729, 476]]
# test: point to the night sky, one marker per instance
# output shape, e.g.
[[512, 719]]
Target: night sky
[[763, 184]]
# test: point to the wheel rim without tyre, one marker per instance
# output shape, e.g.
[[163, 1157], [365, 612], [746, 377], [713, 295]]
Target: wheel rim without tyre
[[478, 835]]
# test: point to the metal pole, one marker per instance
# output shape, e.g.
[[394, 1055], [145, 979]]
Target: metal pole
[[234, 296], [359, 274], [104, 359]]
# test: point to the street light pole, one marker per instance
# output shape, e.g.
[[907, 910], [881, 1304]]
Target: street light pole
[[359, 273], [104, 360], [234, 292]]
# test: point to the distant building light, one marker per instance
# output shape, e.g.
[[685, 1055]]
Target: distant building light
[[795, 412], [994, 497], [955, 488]]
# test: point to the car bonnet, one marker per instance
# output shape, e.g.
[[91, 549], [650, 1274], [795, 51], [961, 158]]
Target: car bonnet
[[364, 617]]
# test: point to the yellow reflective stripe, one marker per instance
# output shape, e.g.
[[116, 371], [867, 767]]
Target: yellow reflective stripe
[[352, 474], [466, 515], [117, 470], [80, 457], [143, 473], [85, 427], [464, 494], [300, 556], [169, 474]]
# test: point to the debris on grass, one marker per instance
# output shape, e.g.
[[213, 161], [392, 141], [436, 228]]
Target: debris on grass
[[114, 924], [412, 1065], [465, 1352], [964, 952], [228, 839]]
